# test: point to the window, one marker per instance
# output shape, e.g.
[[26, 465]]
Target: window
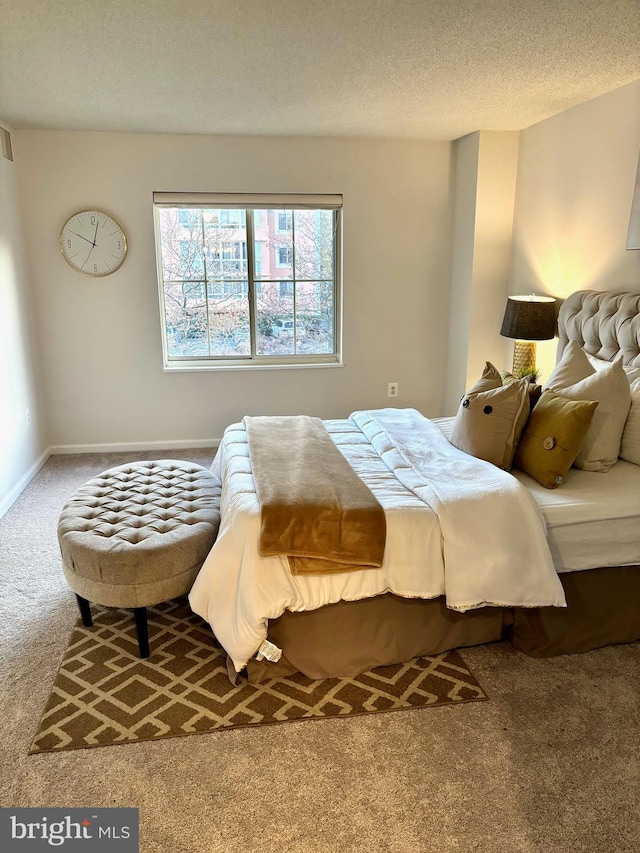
[[230, 218], [284, 256], [245, 283], [283, 220]]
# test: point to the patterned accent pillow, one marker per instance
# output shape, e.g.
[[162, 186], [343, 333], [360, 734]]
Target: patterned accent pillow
[[491, 418], [553, 437]]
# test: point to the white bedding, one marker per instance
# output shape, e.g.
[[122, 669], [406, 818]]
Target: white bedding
[[441, 538], [593, 519]]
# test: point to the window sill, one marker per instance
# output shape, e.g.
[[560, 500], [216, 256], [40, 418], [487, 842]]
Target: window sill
[[194, 367]]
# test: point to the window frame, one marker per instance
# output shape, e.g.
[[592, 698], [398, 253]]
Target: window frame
[[249, 204]]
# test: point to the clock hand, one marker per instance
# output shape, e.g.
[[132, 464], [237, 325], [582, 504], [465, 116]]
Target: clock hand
[[96, 234], [82, 238], [89, 255]]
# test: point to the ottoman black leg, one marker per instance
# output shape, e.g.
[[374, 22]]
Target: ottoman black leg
[[143, 631], [85, 611]]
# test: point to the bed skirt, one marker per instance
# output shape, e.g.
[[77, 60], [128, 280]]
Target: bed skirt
[[603, 608], [349, 637], [346, 638]]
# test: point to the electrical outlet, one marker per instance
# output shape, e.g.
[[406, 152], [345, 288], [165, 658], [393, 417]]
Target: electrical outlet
[[393, 389], [27, 416]]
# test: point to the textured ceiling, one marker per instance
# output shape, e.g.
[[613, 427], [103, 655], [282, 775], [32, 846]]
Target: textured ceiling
[[426, 69]]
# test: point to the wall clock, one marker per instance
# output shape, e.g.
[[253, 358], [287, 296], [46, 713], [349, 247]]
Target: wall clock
[[93, 243]]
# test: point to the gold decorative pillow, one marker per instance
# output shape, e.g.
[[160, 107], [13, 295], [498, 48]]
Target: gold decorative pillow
[[491, 418], [553, 437]]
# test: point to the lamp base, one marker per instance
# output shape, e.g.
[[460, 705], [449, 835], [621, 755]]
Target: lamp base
[[524, 358]]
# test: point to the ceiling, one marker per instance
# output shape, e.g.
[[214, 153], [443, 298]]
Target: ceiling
[[412, 69]]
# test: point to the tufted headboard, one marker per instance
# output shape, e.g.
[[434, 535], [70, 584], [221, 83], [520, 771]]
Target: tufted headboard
[[605, 324]]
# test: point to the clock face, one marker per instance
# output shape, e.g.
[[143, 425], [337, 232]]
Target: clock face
[[93, 243]]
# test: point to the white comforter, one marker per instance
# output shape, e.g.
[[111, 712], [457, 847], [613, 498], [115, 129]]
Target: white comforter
[[456, 526]]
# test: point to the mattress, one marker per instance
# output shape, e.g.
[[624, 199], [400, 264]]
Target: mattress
[[593, 519]]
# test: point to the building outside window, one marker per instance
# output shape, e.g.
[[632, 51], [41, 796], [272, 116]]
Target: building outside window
[[283, 219], [230, 218], [223, 304], [284, 256]]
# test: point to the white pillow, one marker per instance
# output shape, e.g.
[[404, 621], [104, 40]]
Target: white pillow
[[630, 445], [572, 367], [610, 389], [633, 373]]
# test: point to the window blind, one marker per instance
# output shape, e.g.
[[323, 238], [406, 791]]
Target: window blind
[[256, 201]]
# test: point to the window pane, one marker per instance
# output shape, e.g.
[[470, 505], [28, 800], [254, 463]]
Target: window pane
[[275, 319], [181, 244], [225, 243], [229, 318], [274, 244], [314, 244], [314, 317], [186, 319]]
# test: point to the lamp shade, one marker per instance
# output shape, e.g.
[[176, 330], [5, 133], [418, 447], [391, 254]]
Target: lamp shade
[[529, 318]]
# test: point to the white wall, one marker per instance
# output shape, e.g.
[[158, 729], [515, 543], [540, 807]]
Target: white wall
[[483, 205], [100, 338], [464, 191], [22, 445], [497, 170], [576, 174]]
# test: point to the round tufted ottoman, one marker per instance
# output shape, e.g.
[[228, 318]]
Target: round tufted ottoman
[[137, 535]]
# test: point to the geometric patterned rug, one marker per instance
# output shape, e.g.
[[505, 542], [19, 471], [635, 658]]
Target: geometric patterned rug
[[105, 694]]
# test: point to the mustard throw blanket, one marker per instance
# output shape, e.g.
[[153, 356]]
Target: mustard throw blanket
[[314, 507]]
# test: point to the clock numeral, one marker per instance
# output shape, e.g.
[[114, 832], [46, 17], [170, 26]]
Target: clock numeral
[[93, 220], [118, 243], [95, 267], [69, 243]]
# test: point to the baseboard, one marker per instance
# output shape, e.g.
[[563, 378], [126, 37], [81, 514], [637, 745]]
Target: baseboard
[[126, 446], [9, 499]]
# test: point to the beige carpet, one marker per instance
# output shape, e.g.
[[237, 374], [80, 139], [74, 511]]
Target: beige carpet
[[105, 694], [550, 764]]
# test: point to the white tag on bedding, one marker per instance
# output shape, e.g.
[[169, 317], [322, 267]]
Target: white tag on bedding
[[269, 651]]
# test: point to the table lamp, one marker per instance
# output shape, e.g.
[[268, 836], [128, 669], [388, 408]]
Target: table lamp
[[528, 319]]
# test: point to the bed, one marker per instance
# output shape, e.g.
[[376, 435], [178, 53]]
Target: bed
[[357, 620]]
